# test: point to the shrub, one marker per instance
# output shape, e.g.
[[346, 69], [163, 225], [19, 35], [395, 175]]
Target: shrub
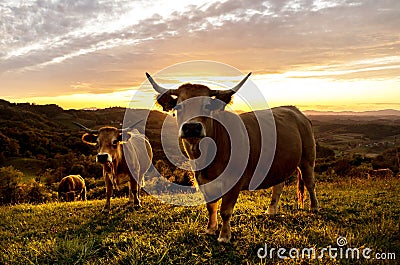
[[10, 189], [324, 152], [13, 191], [36, 192], [342, 167]]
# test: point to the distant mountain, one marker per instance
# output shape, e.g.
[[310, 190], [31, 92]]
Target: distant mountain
[[386, 112]]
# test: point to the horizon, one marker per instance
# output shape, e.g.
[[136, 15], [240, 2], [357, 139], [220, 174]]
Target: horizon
[[238, 111], [317, 55]]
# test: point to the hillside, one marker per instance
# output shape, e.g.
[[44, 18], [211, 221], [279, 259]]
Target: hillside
[[386, 113], [363, 135], [46, 133], [366, 213]]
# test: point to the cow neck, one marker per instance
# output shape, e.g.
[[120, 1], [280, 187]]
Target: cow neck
[[115, 165], [218, 133], [121, 164]]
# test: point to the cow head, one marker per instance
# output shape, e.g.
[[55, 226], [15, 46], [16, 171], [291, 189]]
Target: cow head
[[193, 104], [109, 141], [66, 196]]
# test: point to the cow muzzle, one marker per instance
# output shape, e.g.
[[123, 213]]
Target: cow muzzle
[[192, 129], [103, 158]]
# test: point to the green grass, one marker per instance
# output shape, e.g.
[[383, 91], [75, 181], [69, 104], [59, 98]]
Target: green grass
[[365, 212]]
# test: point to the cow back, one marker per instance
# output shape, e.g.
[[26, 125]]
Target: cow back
[[137, 152], [71, 183], [294, 142], [66, 185]]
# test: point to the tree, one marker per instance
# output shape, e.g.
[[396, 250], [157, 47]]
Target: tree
[[8, 147]]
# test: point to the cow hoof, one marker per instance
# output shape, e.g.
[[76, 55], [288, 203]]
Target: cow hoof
[[211, 231], [314, 210], [271, 211], [224, 240]]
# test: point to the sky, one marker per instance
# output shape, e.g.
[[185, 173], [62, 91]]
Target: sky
[[315, 54]]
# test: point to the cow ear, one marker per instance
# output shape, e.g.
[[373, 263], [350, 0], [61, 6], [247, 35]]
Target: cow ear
[[166, 101], [124, 137], [215, 105], [89, 138], [225, 96]]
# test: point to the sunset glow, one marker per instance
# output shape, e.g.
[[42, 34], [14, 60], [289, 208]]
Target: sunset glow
[[321, 55]]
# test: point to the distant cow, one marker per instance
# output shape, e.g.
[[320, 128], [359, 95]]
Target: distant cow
[[125, 155], [380, 173], [197, 109], [70, 187]]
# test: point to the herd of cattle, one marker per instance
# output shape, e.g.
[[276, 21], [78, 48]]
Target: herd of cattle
[[126, 154]]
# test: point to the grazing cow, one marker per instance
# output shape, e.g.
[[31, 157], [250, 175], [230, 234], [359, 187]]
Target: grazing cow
[[197, 109], [125, 155], [380, 173], [71, 186]]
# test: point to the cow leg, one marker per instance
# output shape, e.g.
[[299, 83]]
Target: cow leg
[[109, 190], [227, 205], [309, 181], [276, 194], [300, 189], [134, 193], [70, 196], [212, 226], [83, 195]]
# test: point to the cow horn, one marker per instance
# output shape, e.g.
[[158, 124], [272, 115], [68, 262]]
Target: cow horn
[[156, 86], [85, 128], [238, 86], [130, 127]]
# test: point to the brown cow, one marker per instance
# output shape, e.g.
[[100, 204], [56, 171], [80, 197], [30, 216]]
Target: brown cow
[[198, 108], [70, 187], [125, 155]]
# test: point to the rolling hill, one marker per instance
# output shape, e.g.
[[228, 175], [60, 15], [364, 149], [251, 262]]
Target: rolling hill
[[386, 112]]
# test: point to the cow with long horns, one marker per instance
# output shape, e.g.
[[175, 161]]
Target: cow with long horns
[[200, 111], [125, 155]]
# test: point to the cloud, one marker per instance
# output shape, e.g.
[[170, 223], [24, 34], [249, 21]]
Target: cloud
[[109, 44]]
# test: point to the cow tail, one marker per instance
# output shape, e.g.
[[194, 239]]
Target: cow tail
[[300, 189]]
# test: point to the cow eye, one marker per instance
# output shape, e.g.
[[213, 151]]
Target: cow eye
[[178, 107], [115, 142], [212, 106]]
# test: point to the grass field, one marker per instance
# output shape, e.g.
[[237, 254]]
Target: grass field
[[366, 212]]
